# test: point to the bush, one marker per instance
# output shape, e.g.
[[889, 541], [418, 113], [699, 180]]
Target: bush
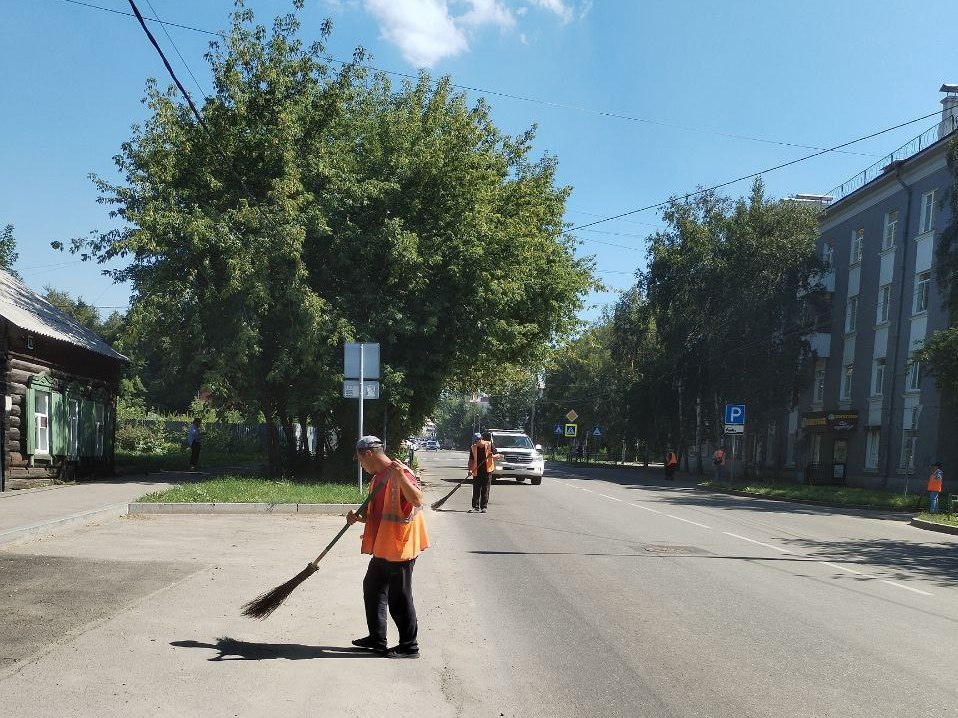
[[138, 438]]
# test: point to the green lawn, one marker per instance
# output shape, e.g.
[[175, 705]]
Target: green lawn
[[949, 519], [258, 489], [838, 495]]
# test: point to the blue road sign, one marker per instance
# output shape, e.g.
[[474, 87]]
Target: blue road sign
[[596, 431], [557, 430], [571, 430], [735, 413]]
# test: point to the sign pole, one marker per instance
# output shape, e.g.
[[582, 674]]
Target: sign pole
[[731, 465], [359, 466]]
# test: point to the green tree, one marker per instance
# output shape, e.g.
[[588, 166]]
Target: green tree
[[8, 250], [315, 206]]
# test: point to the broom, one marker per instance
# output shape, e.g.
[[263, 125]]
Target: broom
[[263, 605], [445, 498]]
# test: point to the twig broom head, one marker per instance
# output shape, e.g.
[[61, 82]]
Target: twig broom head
[[262, 606], [445, 498]]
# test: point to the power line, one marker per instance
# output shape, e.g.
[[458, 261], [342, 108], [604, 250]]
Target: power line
[[756, 174], [182, 59], [511, 96]]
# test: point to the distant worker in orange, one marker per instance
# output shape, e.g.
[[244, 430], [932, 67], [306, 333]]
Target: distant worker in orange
[[482, 462], [671, 464], [934, 487], [718, 462]]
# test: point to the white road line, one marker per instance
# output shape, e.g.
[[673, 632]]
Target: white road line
[[688, 521], [589, 490], [645, 508], [907, 588], [606, 496], [842, 568], [766, 545]]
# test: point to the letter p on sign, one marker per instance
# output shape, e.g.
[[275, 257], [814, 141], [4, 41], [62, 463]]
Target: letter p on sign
[[735, 413]]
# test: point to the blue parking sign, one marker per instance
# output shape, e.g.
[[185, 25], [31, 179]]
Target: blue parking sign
[[735, 413]]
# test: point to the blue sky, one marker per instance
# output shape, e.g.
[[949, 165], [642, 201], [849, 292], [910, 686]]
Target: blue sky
[[689, 74]]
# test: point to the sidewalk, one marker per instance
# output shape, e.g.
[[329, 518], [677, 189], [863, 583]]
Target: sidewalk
[[33, 512]]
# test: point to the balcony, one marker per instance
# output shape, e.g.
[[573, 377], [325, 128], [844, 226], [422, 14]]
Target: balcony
[[821, 344], [821, 282]]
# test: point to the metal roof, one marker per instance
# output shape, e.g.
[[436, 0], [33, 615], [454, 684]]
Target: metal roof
[[26, 309]]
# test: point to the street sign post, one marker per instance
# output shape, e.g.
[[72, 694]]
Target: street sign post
[[351, 389], [558, 431], [571, 430], [735, 414], [361, 363], [734, 426], [596, 431], [572, 415]]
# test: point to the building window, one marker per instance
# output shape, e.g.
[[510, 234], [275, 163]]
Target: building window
[[884, 304], [98, 429], [927, 221], [41, 416], [858, 242], [816, 449], [914, 376], [872, 441], [878, 377], [922, 286], [891, 229], [908, 445], [73, 427], [819, 386], [847, 382], [827, 254], [851, 314]]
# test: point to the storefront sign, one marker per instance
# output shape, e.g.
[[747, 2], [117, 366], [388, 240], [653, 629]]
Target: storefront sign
[[837, 421]]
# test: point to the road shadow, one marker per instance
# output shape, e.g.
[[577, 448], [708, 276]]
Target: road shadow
[[229, 649]]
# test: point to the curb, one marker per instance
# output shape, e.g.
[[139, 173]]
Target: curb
[[22, 532], [804, 502], [143, 508], [932, 526]]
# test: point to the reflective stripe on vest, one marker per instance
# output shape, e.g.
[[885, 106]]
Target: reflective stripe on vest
[[397, 537]]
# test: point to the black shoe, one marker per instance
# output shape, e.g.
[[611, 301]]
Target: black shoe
[[370, 643], [482, 511], [400, 652], [473, 510]]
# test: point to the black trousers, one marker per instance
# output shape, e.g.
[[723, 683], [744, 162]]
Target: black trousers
[[195, 453], [389, 584], [480, 490]]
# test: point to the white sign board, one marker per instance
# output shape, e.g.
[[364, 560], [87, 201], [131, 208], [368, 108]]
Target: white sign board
[[369, 352], [351, 389], [734, 428]]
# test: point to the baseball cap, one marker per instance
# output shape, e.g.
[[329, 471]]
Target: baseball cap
[[368, 442], [477, 435]]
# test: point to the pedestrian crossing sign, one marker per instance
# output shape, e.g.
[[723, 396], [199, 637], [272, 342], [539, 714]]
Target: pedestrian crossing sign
[[571, 430]]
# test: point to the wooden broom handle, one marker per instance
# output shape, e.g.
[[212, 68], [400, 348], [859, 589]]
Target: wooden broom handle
[[362, 507]]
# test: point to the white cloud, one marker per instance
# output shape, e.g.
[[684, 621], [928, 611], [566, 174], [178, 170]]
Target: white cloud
[[557, 6], [425, 31]]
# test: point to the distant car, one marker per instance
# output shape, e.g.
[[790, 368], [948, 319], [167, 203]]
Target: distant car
[[432, 445]]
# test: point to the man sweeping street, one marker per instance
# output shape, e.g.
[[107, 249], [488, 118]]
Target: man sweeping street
[[395, 534], [482, 462]]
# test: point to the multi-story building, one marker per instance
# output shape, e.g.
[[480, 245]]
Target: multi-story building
[[869, 414]]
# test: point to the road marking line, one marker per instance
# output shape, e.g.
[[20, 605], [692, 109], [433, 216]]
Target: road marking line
[[589, 490], [645, 508], [606, 496], [766, 545], [842, 568], [907, 588], [688, 521]]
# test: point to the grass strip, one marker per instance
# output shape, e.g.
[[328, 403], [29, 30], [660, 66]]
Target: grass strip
[[258, 489], [946, 519], [834, 495]]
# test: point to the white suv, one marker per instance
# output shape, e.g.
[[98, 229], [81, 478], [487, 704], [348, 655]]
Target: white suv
[[520, 458]]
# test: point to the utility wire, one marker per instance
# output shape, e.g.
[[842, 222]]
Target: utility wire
[[179, 54]]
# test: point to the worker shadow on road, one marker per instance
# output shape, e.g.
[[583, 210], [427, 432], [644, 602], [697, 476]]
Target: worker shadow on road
[[229, 649]]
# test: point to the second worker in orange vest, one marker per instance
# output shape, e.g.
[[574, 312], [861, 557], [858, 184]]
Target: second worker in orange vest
[[482, 462], [394, 534]]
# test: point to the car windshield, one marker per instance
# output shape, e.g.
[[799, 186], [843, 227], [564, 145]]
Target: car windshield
[[511, 441]]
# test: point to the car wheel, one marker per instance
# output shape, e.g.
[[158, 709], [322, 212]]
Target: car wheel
[[536, 480]]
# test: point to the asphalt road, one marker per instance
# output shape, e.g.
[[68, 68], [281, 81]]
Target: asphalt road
[[598, 593]]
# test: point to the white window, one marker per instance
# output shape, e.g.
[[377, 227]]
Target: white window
[[891, 229], [827, 254], [99, 429], [73, 427], [914, 376], [851, 314], [909, 443], [819, 386], [847, 382], [926, 222], [872, 441], [922, 286], [41, 417], [878, 377], [884, 304], [858, 242]]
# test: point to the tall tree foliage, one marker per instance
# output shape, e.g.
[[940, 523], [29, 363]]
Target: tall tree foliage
[[319, 206], [8, 250]]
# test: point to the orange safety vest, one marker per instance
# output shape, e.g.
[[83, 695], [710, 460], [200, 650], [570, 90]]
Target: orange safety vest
[[490, 462], [393, 535], [670, 459], [934, 481]]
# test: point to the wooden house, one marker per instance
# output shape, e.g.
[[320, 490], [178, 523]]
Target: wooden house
[[60, 382]]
